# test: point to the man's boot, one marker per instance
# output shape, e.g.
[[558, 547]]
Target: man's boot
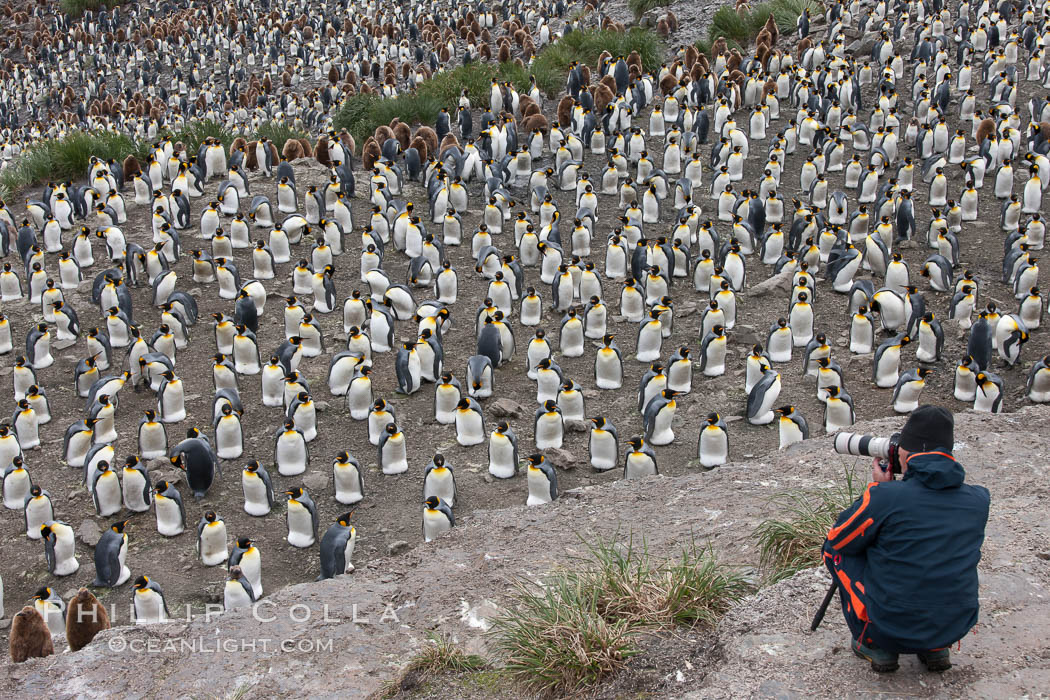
[[936, 660], [881, 660]]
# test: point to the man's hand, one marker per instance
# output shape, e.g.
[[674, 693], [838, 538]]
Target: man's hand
[[878, 474]]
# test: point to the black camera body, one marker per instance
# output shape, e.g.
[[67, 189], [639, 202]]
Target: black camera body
[[886, 449]]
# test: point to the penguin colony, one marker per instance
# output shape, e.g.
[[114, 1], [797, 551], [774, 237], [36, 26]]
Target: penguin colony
[[142, 270]]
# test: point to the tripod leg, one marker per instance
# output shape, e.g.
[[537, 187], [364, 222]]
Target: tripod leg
[[819, 617]]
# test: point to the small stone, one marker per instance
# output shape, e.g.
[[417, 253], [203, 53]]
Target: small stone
[[563, 459], [591, 393], [397, 547], [321, 406], [779, 282], [731, 419], [743, 334], [686, 309], [315, 481], [908, 244], [577, 426], [506, 408], [4, 371], [5, 623], [89, 532], [488, 479]]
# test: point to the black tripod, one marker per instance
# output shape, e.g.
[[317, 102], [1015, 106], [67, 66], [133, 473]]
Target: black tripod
[[819, 617]]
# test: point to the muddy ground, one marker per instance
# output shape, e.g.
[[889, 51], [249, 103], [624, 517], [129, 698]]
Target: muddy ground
[[389, 518]]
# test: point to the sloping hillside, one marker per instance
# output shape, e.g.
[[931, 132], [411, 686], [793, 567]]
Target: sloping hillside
[[456, 585]]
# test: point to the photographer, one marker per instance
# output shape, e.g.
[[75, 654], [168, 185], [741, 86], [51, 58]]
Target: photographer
[[905, 553]]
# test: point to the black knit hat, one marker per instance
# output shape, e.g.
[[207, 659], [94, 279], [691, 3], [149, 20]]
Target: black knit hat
[[928, 428]]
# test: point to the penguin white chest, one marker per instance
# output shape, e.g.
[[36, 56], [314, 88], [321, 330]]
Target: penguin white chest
[[212, 544], [639, 465], [439, 482], [149, 607], [300, 525], [539, 488], [169, 517], [435, 524]]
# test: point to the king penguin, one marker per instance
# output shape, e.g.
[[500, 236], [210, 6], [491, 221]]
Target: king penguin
[[111, 551], [247, 556], [393, 454], [909, 388], [302, 518], [793, 426], [38, 509], [762, 397], [194, 456], [640, 460], [348, 479], [211, 539], [291, 453], [470, 423], [437, 518], [503, 451], [439, 480], [712, 446], [167, 504], [603, 445], [337, 548], [238, 591], [257, 488], [149, 604], [542, 481]]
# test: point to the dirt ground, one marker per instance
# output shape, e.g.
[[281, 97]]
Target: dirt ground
[[378, 617], [389, 517]]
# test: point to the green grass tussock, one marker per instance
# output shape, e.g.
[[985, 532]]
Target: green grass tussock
[[739, 29], [361, 114], [279, 133], [66, 158], [76, 8], [640, 7], [792, 542], [440, 656], [583, 624]]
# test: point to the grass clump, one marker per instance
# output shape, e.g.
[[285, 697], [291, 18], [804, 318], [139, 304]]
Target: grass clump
[[640, 7], [193, 134], [583, 624], [440, 656], [740, 28], [361, 114], [76, 8], [66, 157], [791, 543], [279, 133], [552, 64]]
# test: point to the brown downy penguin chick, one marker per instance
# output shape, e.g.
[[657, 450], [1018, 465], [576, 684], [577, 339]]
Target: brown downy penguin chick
[[430, 136], [565, 110], [447, 142], [85, 617], [370, 153], [985, 129], [30, 637], [402, 132], [421, 147], [308, 149], [131, 167], [293, 150], [321, 152]]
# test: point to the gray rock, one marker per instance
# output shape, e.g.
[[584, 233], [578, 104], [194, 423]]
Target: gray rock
[[577, 426], [89, 532], [321, 406], [561, 458], [315, 481], [777, 283], [397, 547], [506, 408], [744, 335]]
